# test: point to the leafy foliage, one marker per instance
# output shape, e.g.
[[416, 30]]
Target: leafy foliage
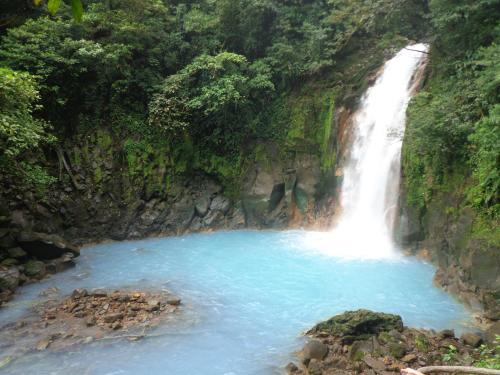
[[20, 132], [454, 123]]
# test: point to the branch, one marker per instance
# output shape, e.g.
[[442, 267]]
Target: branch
[[416, 50], [450, 369]]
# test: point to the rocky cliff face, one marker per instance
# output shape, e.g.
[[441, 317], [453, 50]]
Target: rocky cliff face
[[446, 234]]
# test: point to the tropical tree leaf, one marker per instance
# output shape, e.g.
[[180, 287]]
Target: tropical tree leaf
[[53, 6], [77, 9]]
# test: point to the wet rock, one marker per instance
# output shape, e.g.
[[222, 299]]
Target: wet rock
[[360, 324], [373, 363], [79, 293], [61, 264], [446, 334], [9, 278], [314, 349], [43, 344], [492, 332], [45, 246], [111, 318], [220, 203], [359, 349], [174, 301], [35, 269], [314, 367], [471, 339], [202, 206], [90, 322], [7, 241], [17, 253], [291, 368], [409, 358], [397, 350], [9, 262]]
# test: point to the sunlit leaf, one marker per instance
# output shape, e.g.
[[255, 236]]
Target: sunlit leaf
[[77, 9], [53, 6]]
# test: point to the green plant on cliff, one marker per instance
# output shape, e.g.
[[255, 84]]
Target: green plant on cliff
[[213, 72], [452, 142], [21, 133]]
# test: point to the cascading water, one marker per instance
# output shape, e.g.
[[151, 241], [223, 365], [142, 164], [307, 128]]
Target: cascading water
[[371, 173]]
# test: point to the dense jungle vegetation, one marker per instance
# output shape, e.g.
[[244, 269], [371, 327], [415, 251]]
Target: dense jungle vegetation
[[452, 143], [202, 80]]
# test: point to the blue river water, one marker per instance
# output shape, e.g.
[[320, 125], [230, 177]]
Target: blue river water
[[247, 297]]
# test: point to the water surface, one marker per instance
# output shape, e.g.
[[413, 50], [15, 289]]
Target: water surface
[[247, 296]]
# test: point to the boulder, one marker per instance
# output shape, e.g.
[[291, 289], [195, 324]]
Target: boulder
[[6, 241], [9, 262], [314, 349], [201, 206], [45, 246], [220, 203], [17, 253], [60, 264], [35, 269], [9, 278], [358, 325], [492, 332], [471, 339]]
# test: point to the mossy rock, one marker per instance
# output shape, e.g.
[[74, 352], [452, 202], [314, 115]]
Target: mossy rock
[[397, 350], [358, 325], [35, 269]]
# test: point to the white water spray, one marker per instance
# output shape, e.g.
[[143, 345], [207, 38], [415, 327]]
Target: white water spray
[[370, 184]]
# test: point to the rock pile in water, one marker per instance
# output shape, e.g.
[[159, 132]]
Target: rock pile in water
[[375, 343], [116, 310], [86, 317], [29, 256]]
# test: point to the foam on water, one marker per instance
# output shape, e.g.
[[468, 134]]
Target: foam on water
[[247, 297]]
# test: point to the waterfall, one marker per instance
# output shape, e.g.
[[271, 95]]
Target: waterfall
[[371, 172]]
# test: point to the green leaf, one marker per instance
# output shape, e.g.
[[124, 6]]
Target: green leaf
[[53, 6], [77, 9]]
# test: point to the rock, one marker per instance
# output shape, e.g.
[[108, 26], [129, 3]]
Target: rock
[[45, 246], [359, 349], [446, 334], [397, 350], [220, 203], [61, 264], [9, 262], [153, 305], [79, 293], [314, 349], [90, 322], [9, 278], [17, 253], [314, 367], [174, 301], [471, 339], [201, 206], [374, 363], [291, 368], [7, 242], [35, 269], [88, 340], [42, 344], [492, 332], [409, 358], [360, 324], [111, 318]]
